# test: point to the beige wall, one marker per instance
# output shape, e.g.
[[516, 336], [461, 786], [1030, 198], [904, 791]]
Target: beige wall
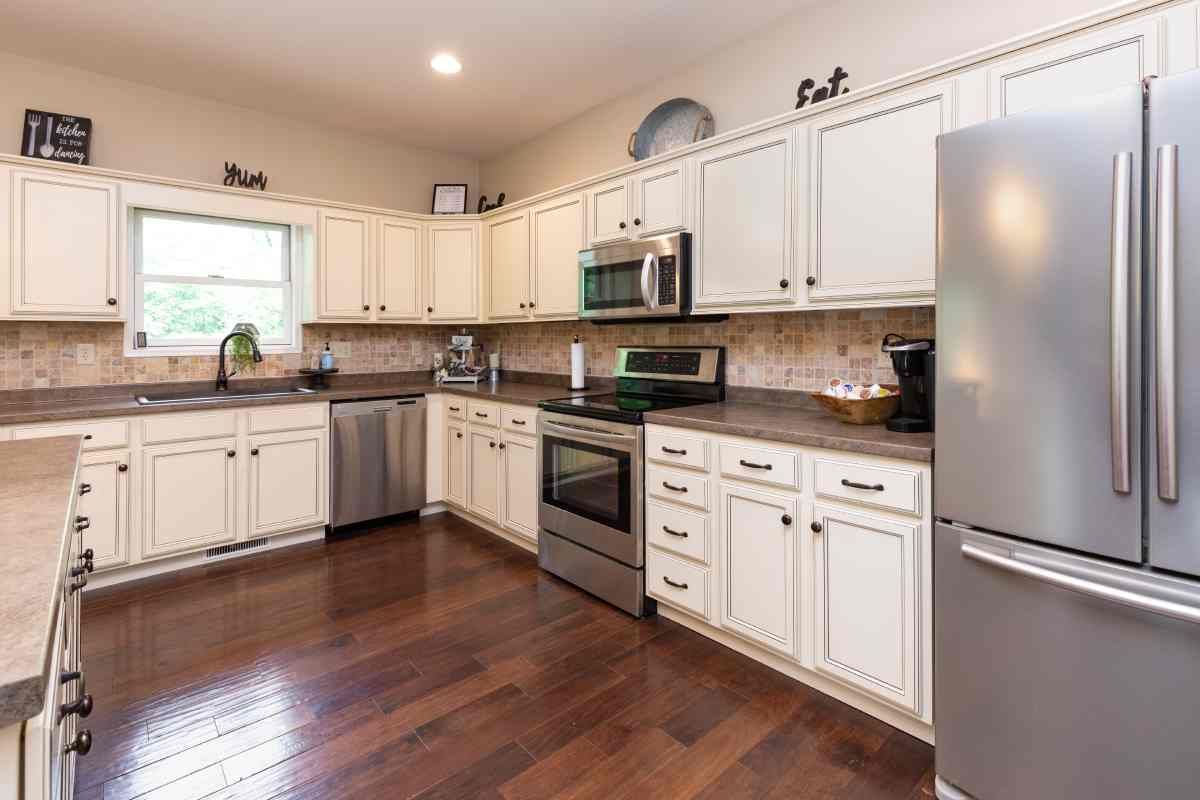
[[143, 129], [757, 78]]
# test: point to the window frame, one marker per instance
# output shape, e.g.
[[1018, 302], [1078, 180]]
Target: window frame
[[293, 248]]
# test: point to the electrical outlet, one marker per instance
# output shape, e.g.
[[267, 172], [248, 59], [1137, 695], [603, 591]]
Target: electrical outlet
[[438, 359], [341, 348], [85, 354]]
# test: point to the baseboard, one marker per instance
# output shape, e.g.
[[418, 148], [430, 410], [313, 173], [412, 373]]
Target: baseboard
[[158, 566], [434, 508], [495, 530]]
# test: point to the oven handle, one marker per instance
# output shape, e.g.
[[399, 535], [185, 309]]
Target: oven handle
[[650, 285], [591, 432]]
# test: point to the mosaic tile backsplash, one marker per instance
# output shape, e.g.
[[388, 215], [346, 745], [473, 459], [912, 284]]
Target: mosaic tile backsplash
[[787, 350]]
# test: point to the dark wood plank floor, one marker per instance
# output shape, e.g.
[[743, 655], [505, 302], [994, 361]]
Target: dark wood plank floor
[[432, 660]]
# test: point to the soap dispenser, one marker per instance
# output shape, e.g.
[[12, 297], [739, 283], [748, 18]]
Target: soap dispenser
[[327, 357]]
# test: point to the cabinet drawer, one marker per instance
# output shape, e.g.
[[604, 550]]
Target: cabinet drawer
[[456, 407], [483, 413], [883, 487], [185, 427], [519, 419], [97, 434], [672, 448], [678, 487], [679, 531], [289, 418], [677, 583], [761, 464]]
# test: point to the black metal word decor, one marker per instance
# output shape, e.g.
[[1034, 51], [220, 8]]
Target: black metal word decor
[[825, 92], [236, 176], [56, 137], [485, 206]]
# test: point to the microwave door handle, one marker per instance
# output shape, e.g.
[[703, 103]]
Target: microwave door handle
[[650, 281]]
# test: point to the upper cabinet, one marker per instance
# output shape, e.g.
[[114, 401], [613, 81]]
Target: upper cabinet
[[65, 260], [344, 268], [557, 229], [660, 200], [506, 247], [399, 269], [742, 244], [873, 184], [608, 212], [452, 271]]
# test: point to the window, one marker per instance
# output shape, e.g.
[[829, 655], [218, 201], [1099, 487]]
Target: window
[[195, 277]]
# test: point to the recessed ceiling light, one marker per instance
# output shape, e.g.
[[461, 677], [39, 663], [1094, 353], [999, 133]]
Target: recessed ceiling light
[[446, 64]]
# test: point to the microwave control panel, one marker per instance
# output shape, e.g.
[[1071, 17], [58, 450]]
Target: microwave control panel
[[668, 281]]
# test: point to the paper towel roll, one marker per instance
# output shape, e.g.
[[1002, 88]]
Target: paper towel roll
[[577, 364]]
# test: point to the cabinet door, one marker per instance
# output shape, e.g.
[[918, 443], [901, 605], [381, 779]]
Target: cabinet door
[[520, 484], [399, 269], [106, 505], [758, 566], [874, 196], [557, 228], [506, 242], [453, 263], [288, 483], [659, 205], [456, 463], [64, 246], [483, 488], [742, 248], [344, 243], [866, 617], [189, 496], [608, 213], [1079, 67]]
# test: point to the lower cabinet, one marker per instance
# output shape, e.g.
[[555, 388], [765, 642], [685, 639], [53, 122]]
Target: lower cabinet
[[868, 612], [519, 484], [483, 486], [758, 553], [288, 481], [456, 463], [189, 495], [105, 502]]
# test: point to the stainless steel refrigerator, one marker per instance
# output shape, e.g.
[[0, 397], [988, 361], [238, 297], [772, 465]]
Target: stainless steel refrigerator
[[1067, 468]]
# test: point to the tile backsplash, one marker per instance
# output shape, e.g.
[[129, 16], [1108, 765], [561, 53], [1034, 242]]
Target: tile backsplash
[[785, 350]]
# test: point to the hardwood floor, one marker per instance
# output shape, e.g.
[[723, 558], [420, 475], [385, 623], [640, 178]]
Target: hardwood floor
[[430, 659]]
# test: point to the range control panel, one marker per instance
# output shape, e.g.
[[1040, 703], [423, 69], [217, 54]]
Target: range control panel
[[655, 362], [686, 364]]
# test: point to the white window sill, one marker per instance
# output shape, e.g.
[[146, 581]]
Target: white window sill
[[203, 350]]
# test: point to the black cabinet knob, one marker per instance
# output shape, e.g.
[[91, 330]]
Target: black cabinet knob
[[112, 301], [77, 571], [122, 467], [82, 744], [89, 565], [87, 437], [77, 585], [491, 444], [810, 280], [87, 555], [532, 304], [621, 226], [83, 707], [254, 451], [66, 677], [458, 435], [816, 527], [502, 445], [84, 488], [231, 453], [366, 308], [784, 283], [383, 308], [786, 519], [429, 309], [82, 524], [637, 220], [522, 305]]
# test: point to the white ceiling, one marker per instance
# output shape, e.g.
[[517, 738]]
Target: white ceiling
[[527, 64]]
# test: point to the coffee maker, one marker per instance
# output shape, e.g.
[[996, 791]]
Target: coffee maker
[[913, 360]]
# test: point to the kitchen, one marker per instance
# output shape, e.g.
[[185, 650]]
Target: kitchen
[[541, 489]]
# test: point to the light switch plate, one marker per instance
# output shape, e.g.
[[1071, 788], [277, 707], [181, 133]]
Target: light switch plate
[[85, 354]]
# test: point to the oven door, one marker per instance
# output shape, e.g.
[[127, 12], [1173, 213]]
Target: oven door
[[634, 279], [592, 484]]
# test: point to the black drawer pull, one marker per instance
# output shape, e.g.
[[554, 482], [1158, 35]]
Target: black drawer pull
[[85, 488], [674, 488], [82, 569], [752, 465], [680, 534], [82, 524], [66, 677], [518, 422], [481, 415], [87, 437], [77, 585], [454, 408], [83, 707], [878, 487], [670, 582], [82, 744], [674, 452]]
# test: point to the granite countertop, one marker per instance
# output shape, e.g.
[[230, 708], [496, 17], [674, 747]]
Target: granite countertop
[[803, 424], [36, 487]]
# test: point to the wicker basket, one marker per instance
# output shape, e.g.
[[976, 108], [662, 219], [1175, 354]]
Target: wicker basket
[[861, 412]]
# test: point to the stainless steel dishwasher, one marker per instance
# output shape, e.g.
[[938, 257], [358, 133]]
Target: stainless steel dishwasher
[[376, 458]]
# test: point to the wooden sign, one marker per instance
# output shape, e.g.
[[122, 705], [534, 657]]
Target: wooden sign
[[832, 90], [56, 137]]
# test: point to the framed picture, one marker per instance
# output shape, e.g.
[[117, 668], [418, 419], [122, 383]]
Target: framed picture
[[56, 137], [449, 198]]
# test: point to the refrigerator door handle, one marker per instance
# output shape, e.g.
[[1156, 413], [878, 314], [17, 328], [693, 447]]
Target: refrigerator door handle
[[1124, 597], [1164, 314], [1119, 321]]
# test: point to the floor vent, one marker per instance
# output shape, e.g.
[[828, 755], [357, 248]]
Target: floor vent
[[230, 549]]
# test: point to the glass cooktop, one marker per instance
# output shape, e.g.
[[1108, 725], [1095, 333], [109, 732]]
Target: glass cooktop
[[625, 407]]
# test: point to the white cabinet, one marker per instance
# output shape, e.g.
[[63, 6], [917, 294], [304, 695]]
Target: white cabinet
[[520, 484], [456, 463], [344, 269], [558, 230], [660, 200], [758, 558], [189, 495], [742, 245], [453, 271], [1078, 67], [399, 270], [867, 615], [506, 246], [288, 481], [105, 502], [65, 259], [483, 467], [608, 212], [874, 196]]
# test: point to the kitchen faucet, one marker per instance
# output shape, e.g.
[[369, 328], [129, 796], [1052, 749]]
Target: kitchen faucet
[[222, 378]]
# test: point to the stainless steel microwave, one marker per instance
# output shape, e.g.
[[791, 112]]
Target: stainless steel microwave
[[631, 280]]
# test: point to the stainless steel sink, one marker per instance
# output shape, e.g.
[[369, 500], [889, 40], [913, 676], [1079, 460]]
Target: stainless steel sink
[[212, 396]]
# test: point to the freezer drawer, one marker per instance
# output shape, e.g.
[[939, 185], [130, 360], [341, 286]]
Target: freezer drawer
[[1046, 691]]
